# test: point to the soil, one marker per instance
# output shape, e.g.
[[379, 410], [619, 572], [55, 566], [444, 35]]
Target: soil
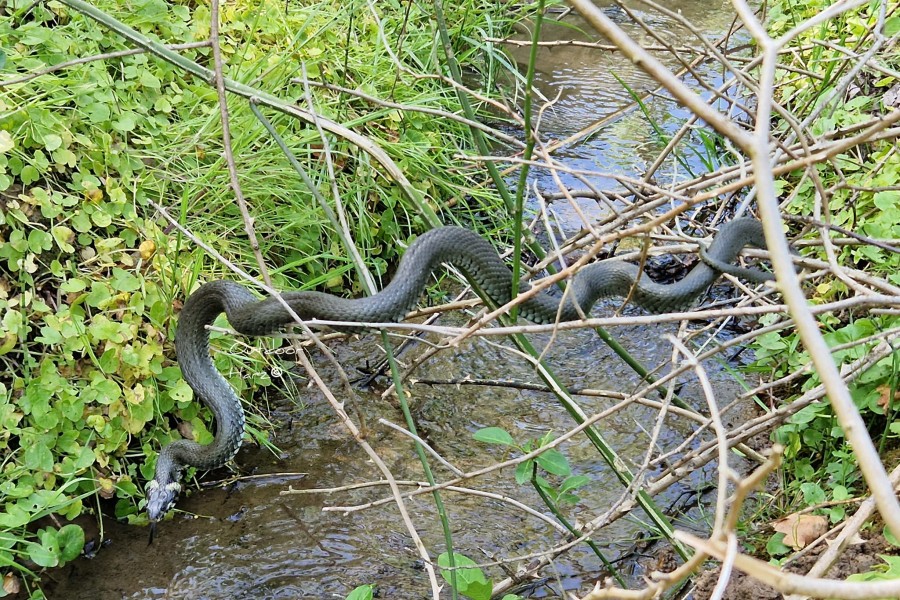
[[855, 559]]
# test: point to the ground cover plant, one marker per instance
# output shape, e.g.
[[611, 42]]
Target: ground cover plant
[[856, 194], [91, 280], [376, 106]]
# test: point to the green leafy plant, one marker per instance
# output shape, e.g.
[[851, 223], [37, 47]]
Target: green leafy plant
[[551, 461], [363, 592], [470, 580], [90, 281], [856, 194], [884, 572]]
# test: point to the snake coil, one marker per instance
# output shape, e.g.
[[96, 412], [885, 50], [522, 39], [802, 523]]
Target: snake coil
[[464, 249]]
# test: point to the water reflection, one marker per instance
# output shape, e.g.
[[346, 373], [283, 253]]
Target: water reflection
[[587, 85]]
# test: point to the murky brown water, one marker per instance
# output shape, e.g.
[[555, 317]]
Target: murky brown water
[[252, 542]]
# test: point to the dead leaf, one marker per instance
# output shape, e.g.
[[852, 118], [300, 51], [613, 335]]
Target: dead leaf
[[186, 430], [107, 488], [11, 584], [147, 249], [892, 97], [799, 530], [884, 397]]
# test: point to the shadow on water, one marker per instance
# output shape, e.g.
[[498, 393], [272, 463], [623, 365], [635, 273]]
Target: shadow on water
[[252, 542]]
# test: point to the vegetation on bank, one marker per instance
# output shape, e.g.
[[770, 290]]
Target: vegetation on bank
[[91, 276], [858, 193]]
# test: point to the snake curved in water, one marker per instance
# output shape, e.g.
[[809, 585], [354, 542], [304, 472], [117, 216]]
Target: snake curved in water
[[455, 245]]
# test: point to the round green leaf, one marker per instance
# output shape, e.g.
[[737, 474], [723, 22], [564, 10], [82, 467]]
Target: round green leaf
[[42, 556], [70, 540], [52, 142]]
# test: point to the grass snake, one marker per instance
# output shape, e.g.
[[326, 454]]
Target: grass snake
[[460, 247]]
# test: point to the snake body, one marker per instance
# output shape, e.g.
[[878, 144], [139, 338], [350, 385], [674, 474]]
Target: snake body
[[460, 247]]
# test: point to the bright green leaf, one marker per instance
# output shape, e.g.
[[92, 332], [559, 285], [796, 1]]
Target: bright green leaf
[[363, 592], [101, 218], [86, 458], [71, 541], [524, 470], [98, 112], [38, 457], [892, 27], [38, 241], [81, 222], [554, 462], [29, 175], [65, 157], [891, 538], [13, 517], [574, 482], [125, 281], [469, 581], [41, 555], [776, 546], [126, 122], [52, 142], [812, 493], [494, 435]]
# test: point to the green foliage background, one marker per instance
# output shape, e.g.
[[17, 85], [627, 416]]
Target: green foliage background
[[861, 195], [91, 278]]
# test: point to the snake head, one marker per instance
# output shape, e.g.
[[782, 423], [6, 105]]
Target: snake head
[[161, 499]]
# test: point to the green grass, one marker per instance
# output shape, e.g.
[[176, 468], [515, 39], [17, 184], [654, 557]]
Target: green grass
[[90, 276]]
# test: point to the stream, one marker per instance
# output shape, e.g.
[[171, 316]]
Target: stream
[[249, 540]]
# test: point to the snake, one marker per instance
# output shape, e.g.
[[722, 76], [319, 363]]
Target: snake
[[457, 246]]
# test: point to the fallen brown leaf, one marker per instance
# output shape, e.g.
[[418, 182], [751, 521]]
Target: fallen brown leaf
[[884, 397], [11, 584], [186, 430], [799, 530]]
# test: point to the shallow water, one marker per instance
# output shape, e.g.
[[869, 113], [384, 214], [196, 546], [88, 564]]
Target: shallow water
[[252, 542], [249, 541], [587, 85]]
